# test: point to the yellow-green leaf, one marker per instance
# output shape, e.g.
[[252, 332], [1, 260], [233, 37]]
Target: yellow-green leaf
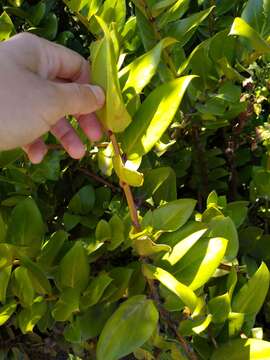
[[114, 115], [241, 28], [251, 296], [186, 295], [153, 117], [244, 349]]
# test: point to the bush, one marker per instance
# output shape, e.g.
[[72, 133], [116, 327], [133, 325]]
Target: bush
[[156, 244]]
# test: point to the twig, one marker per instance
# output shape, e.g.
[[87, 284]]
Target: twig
[[126, 188], [166, 317], [99, 179]]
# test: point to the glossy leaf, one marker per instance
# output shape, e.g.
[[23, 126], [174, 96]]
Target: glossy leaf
[[4, 281], [257, 15], [83, 201], [120, 335], [221, 226], [183, 246], [6, 27], [74, 268], [6, 311], [26, 226], [244, 349], [146, 247], [241, 28], [22, 286], [114, 115], [28, 318], [250, 297], [200, 263], [186, 295], [67, 304], [95, 290], [117, 232], [171, 216], [184, 29], [153, 117], [51, 249], [141, 71], [220, 307], [126, 175]]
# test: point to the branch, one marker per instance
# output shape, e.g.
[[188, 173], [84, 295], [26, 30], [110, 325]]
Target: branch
[[126, 188], [99, 179]]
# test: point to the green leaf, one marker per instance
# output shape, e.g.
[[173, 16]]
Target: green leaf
[[141, 70], [4, 280], [204, 325], [121, 277], [114, 11], [83, 201], [220, 307], [171, 216], [174, 13], [38, 278], [120, 335], [221, 226], [114, 115], [251, 296], [184, 29], [241, 28], [28, 318], [22, 286], [93, 320], [71, 220], [257, 14], [186, 295], [6, 255], [103, 231], [67, 304], [26, 227], [244, 349], [160, 184], [74, 268], [117, 232], [9, 156], [48, 28], [183, 246], [146, 247], [126, 175], [6, 311], [37, 12], [95, 290], [200, 262], [153, 117], [51, 249], [6, 26]]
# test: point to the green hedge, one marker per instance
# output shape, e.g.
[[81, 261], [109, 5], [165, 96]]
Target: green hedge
[[156, 244]]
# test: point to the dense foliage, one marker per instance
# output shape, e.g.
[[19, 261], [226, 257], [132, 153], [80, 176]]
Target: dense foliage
[[156, 245]]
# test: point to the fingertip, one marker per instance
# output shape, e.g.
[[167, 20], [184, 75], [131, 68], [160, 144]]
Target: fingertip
[[36, 151], [98, 93], [90, 126]]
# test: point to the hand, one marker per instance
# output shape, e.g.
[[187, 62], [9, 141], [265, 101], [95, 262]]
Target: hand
[[40, 83]]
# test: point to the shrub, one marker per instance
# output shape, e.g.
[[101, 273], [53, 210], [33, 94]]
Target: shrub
[[156, 244]]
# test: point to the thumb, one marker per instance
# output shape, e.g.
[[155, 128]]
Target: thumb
[[74, 98]]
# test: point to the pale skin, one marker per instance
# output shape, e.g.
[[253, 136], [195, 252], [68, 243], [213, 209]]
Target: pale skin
[[40, 83]]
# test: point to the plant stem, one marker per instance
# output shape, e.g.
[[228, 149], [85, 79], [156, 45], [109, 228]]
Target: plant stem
[[126, 188], [153, 289], [166, 317], [99, 179], [158, 36]]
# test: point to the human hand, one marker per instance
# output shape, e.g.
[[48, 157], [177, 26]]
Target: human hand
[[40, 83]]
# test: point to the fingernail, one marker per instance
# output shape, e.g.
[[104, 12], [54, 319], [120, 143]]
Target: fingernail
[[99, 94]]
